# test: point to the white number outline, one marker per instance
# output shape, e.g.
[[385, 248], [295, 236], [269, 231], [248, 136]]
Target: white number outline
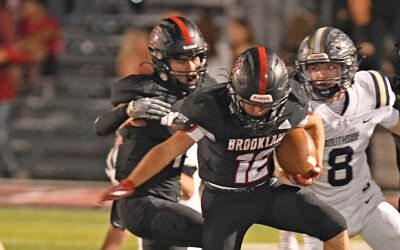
[[252, 167]]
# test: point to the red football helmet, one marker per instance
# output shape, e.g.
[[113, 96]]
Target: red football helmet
[[177, 37], [259, 76]]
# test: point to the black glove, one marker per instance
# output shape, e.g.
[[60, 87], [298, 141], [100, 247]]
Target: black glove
[[148, 108]]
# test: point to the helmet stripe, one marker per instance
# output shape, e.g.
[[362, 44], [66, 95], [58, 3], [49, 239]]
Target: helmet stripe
[[263, 70], [322, 42], [318, 40], [183, 28]]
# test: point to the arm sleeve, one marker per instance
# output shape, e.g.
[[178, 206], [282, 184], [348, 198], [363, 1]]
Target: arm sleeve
[[391, 119], [110, 121]]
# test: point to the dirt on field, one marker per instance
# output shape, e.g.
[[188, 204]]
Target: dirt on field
[[83, 194], [46, 193]]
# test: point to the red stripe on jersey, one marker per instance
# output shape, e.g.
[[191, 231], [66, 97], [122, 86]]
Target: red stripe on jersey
[[184, 30], [263, 70]]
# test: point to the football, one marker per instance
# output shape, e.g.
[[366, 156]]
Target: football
[[297, 154]]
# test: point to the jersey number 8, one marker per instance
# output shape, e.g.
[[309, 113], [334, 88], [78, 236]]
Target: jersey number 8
[[346, 153]]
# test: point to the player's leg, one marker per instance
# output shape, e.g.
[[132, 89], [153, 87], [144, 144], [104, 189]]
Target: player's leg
[[312, 243], [291, 208], [146, 244], [340, 241], [114, 238], [287, 241], [383, 228], [226, 218], [163, 221]]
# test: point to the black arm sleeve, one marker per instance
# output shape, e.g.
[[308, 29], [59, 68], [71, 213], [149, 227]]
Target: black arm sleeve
[[110, 121]]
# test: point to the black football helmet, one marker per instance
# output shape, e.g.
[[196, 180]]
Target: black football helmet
[[177, 37], [327, 44], [260, 77]]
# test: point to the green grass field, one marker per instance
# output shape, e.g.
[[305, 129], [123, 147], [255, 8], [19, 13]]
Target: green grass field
[[24, 228], [78, 229]]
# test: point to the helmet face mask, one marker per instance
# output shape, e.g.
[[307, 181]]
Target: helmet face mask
[[259, 78], [179, 39], [327, 45]]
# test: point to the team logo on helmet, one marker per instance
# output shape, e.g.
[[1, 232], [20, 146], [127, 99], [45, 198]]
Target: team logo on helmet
[[154, 36], [237, 66]]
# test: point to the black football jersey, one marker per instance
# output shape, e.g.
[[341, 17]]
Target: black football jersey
[[231, 155], [139, 140]]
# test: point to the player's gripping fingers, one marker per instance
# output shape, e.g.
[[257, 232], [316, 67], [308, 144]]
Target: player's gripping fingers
[[299, 180], [160, 103], [123, 189], [169, 119], [148, 108], [316, 172]]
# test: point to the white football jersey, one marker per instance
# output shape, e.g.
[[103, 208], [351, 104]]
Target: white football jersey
[[345, 168]]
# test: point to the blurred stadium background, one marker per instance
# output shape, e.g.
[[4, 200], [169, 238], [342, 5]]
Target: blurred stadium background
[[52, 121], [52, 129]]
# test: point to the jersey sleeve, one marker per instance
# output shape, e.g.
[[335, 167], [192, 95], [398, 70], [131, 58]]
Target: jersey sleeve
[[391, 118], [376, 86], [129, 88]]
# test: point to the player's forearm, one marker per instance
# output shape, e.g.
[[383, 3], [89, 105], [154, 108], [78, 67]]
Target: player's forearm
[[159, 157], [316, 130], [108, 122], [151, 164]]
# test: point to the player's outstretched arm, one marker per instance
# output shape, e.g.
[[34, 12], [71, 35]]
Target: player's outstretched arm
[[152, 163], [109, 121]]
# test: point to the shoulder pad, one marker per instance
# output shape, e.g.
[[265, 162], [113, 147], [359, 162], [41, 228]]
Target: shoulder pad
[[208, 81], [138, 86], [378, 86], [298, 94]]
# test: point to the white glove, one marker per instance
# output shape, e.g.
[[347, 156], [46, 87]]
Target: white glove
[[168, 119], [148, 108]]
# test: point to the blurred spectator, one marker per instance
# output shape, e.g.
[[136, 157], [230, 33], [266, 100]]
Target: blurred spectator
[[39, 35], [8, 91], [385, 23], [218, 55], [301, 23], [133, 56], [7, 26], [240, 36]]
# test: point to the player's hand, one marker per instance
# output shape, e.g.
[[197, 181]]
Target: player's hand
[[148, 108], [169, 119], [300, 180], [123, 189]]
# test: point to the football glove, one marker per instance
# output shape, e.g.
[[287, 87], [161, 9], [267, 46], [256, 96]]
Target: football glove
[[148, 108], [169, 119], [123, 189], [300, 180]]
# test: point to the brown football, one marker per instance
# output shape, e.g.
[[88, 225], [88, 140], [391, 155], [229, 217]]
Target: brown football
[[297, 154]]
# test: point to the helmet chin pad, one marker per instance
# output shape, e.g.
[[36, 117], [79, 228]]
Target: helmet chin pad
[[326, 93]]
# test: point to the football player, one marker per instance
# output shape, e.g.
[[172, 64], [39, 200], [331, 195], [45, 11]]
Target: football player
[[178, 54], [237, 126], [350, 104]]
